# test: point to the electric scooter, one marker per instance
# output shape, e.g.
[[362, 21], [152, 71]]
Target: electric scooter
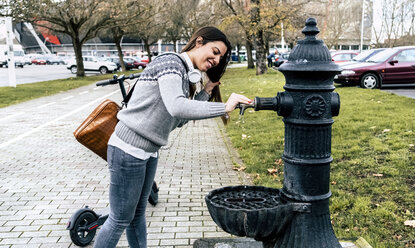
[[84, 222]]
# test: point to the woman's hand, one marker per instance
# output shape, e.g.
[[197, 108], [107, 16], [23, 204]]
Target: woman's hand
[[209, 86], [234, 99]]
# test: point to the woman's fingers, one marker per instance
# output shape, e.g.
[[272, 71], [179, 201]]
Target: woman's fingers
[[242, 98], [234, 99]]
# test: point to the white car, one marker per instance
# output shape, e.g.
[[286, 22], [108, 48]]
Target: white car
[[92, 63]]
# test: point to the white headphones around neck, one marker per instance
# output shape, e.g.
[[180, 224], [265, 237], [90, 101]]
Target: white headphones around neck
[[194, 74]]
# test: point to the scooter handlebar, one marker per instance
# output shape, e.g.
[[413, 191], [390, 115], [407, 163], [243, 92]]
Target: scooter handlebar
[[106, 82], [116, 79]]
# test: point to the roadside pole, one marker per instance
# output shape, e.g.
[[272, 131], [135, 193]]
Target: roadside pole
[[362, 26], [10, 52]]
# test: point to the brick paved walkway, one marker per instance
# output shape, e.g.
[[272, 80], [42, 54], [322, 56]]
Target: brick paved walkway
[[45, 175]]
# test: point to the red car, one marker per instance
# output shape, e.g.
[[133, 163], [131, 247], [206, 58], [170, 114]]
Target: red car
[[391, 66], [140, 63], [343, 56], [39, 61]]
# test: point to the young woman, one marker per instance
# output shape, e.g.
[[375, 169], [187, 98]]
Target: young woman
[[163, 100]]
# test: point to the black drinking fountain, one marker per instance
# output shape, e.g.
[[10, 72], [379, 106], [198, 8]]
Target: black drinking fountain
[[298, 214]]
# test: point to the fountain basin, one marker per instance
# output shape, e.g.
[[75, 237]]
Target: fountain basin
[[253, 211]]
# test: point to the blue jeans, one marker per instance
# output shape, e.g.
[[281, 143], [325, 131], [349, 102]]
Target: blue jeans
[[130, 186]]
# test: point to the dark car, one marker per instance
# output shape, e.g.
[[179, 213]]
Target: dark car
[[281, 59], [54, 60], [362, 57], [391, 66], [128, 64]]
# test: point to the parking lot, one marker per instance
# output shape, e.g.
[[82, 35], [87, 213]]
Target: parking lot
[[37, 73]]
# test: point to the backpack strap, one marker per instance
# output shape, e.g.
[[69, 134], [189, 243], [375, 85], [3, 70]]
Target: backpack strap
[[127, 98]]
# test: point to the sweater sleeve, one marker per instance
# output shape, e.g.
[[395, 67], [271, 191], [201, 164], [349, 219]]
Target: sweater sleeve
[[179, 106]]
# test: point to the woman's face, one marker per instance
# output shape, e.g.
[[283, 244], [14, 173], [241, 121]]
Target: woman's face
[[208, 55]]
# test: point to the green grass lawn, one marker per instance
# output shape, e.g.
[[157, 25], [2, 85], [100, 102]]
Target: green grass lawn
[[373, 172]]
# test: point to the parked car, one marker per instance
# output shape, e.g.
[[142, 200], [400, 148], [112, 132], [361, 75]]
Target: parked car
[[19, 60], [138, 63], [128, 64], [27, 59], [92, 63], [144, 59], [66, 59], [342, 56], [54, 60], [281, 59], [391, 66], [362, 57], [18, 55], [39, 60]]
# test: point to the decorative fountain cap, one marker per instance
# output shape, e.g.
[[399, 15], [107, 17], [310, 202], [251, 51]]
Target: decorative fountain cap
[[310, 54]]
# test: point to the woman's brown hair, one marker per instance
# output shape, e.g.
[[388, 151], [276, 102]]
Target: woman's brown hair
[[210, 34]]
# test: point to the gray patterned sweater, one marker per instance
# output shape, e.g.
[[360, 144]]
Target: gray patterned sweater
[[160, 103]]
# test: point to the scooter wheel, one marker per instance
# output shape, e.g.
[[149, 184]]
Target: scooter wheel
[[80, 235], [154, 195]]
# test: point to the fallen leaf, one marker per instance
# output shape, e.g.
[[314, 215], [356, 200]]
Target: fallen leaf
[[398, 237], [333, 182], [243, 136], [411, 145], [240, 168], [377, 175], [278, 161], [373, 127], [409, 223], [385, 130], [272, 171]]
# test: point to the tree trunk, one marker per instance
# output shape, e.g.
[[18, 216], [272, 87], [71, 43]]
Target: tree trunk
[[261, 57], [117, 40], [267, 47], [258, 38], [77, 46], [147, 47], [249, 54], [238, 47]]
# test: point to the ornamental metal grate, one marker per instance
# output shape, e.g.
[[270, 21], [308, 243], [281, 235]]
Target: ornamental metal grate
[[246, 198]]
